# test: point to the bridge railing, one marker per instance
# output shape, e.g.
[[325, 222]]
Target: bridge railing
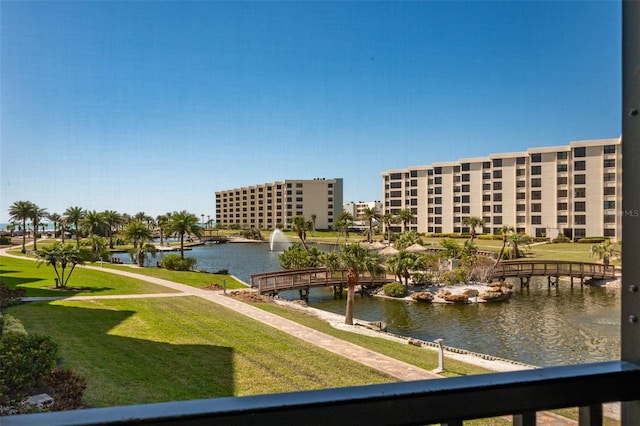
[[554, 268]]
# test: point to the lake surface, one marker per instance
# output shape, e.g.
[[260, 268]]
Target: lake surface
[[540, 325]]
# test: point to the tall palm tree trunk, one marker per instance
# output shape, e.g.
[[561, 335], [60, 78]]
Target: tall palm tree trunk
[[352, 280]]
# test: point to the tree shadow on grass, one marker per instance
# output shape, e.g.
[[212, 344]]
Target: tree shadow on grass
[[123, 370]]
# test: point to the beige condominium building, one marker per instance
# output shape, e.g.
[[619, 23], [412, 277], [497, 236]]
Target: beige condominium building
[[272, 205], [573, 189]]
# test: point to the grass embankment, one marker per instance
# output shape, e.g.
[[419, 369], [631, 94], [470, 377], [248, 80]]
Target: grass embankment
[[152, 350]]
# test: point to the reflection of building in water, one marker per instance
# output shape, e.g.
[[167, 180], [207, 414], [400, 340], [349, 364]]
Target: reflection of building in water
[[574, 190]]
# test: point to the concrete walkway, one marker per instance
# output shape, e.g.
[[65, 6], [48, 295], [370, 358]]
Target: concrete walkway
[[390, 366]]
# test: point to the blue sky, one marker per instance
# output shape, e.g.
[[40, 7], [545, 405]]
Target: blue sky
[[154, 106]]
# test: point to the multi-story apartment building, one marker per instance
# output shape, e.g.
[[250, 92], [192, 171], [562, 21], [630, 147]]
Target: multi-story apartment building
[[357, 209], [573, 189], [271, 205]]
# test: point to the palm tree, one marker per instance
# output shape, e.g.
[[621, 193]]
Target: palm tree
[[301, 226], [112, 219], [37, 214], [355, 259], [473, 222], [73, 215], [183, 223], [162, 221], [504, 232], [20, 211], [139, 234], [388, 219], [370, 214], [604, 251], [314, 217], [402, 262], [60, 256], [405, 216], [344, 222], [92, 222], [56, 219]]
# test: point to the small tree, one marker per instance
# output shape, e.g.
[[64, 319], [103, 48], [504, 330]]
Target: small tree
[[60, 256], [604, 251]]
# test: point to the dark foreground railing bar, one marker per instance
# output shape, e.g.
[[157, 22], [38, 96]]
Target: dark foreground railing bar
[[449, 401]]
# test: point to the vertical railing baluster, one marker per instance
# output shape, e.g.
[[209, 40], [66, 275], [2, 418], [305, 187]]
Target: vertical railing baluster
[[590, 415], [525, 419]]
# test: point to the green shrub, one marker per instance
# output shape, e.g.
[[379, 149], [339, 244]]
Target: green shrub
[[420, 278], [175, 262], [10, 324], [10, 297], [592, 240], [67, 389], [24, 362], [395, 290]]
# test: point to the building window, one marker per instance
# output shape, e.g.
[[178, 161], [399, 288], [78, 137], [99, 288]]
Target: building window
[[579, 232], [521, 160], [497, 174], [497, 220], [486, 175], [609, 149], [521, 172], [562, 180], [536, 195], [466, 209], [609, 205], [609, 177], [561, 168], [580, 219], [437, 210], [536, 207], [562, 219], [580, 152], [580, 192], [609, 232], [579, 165], [609, 218], [536, 220], [466, 177], [497, 186], [437, 200], [413, 173], [536, 170], [466, 188], [465, 199], [486, 197], [536, 158], [562, 206], [561, 155], [456, 169], [521, 196], [486, 209], [609, 190], [563, 193], [536, 182], [437, 180], [497, 162], [521, 207], [580, 206], [486, 164], [466, 167], [486, 187], [521, 184], [437, 170], [497, 197], [580, 179], [497, 208], [520, 219], [609, 162]]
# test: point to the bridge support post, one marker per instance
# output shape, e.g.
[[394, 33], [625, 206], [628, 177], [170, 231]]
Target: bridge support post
[[304, 294], [337, 291], [524, 281]]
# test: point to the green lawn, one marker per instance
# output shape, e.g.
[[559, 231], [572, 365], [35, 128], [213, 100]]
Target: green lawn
[[38, 280], [135, 351]]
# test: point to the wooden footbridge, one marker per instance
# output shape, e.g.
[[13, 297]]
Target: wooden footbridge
[[304, 279], [553, 270]]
